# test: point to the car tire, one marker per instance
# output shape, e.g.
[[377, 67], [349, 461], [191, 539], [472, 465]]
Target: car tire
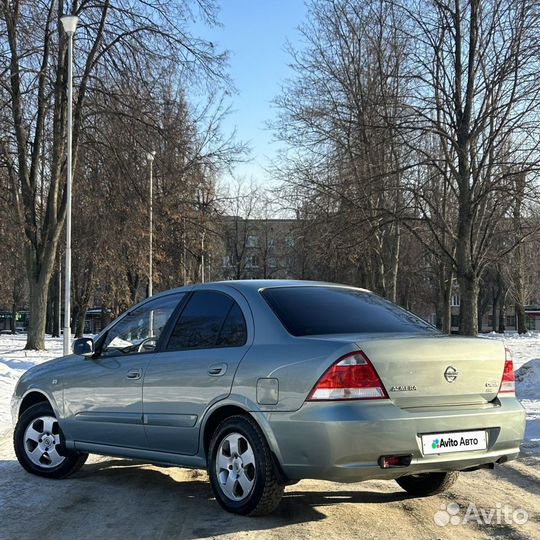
[[241, 468], [424, 485], [39, 444]]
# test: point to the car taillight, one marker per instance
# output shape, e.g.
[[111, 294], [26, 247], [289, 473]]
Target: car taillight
[[351, 377], [508, 382]]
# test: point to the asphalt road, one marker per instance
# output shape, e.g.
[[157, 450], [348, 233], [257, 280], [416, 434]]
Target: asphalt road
[[119, 499]]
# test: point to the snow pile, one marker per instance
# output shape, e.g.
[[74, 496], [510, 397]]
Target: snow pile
[[525, 352], [527, 384], [14, 361]]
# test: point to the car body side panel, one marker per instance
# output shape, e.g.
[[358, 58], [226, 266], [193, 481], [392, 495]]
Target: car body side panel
[[102, 404], [295, 364], [178, 388], [47, 379]]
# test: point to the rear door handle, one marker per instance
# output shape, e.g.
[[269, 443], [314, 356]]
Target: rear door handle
[[216, 370], [134, 374]]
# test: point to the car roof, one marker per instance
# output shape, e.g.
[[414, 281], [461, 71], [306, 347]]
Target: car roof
[[257, 284]]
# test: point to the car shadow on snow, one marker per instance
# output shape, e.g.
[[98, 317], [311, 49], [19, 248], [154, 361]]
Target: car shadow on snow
[[117, 498]]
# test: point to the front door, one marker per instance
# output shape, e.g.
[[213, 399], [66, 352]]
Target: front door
[[103, 398], [195, 369]]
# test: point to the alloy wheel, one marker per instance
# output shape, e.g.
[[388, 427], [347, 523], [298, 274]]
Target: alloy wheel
[[41, 441], [235, 467]]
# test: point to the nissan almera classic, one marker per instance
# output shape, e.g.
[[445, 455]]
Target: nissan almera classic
[[264, 383]]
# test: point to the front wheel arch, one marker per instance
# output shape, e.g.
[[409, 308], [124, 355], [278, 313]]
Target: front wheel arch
[[33, 398]]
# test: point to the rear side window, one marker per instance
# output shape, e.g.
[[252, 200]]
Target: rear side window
[[233, 333], [210, 319], [306, 311]]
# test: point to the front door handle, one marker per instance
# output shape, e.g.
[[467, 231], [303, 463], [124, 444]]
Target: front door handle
[[134, 374], [216, 370]]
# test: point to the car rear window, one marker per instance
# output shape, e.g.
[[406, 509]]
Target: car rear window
[[306, 311]]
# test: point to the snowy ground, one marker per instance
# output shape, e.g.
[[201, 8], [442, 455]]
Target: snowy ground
[[525, 352], [14, 361]]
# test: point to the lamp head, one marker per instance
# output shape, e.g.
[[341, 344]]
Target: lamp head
[[69, 22], [151, 155]]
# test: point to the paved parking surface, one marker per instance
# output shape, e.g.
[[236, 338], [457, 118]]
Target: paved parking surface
[[120, 499]]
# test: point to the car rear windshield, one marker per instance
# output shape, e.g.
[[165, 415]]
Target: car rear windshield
[[306, 311]]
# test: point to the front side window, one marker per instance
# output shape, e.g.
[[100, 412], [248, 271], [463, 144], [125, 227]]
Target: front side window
[[139, 330], [210, 319]]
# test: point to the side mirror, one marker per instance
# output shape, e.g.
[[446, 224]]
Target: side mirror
[[83, 347]]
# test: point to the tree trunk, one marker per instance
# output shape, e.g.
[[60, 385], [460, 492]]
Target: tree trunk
[[446, 326], [40, 265], [76, 313], [14, 318], [394, 264], [468, 321], [502, 318], [49, 316], [480, 314], [494, 305], [79, 327], [520, 318], [37, 312]]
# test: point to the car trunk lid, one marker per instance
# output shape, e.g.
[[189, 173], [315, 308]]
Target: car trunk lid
[[436, 370]]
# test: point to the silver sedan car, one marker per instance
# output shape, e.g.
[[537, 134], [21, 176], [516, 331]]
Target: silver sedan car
[[265, 383]]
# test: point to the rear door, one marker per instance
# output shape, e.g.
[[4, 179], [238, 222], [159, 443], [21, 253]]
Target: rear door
[[196, 369]]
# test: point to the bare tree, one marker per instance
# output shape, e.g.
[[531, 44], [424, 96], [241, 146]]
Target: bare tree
[[117, 38], [338, 116], [474, 67]]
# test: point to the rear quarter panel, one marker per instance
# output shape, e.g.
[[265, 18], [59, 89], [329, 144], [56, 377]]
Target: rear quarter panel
[[296, 364]]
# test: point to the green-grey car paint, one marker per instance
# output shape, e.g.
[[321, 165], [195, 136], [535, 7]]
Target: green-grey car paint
[[161, 416]]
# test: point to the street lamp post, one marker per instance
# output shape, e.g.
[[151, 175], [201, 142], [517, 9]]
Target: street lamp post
[[69, 22], [150, 157]]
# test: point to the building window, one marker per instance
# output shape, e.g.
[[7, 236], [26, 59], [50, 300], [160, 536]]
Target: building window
[[456, 300], [511, 320], [252, 261], [271, 242], [455, 321], [289, 241], [226, 261], [252, 241], [272, 262]]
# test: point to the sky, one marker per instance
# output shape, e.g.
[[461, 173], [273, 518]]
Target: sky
[[255, 33]]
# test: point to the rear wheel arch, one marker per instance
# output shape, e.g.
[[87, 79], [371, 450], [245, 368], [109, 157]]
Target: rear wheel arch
[[220, 414], [251, 464], [215, 418]]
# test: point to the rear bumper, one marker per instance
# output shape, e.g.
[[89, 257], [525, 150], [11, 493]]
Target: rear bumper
[[343, 441]]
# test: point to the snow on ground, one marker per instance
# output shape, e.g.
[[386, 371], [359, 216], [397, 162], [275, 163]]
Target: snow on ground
[[525, 349], [14, 361]]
